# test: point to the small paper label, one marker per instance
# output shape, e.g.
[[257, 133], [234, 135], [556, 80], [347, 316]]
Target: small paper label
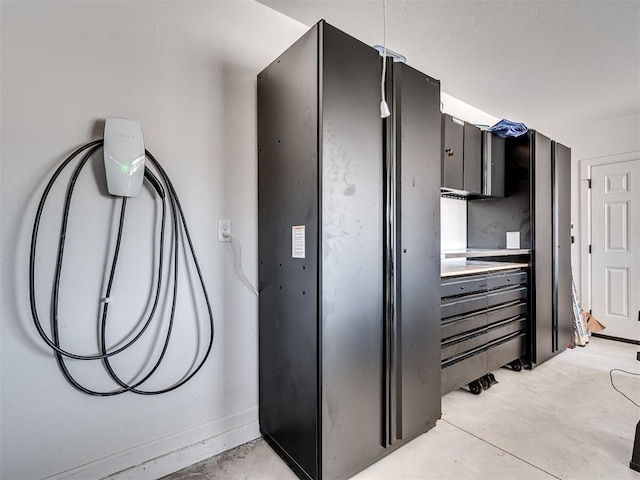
[[513, 240], [297, 241]]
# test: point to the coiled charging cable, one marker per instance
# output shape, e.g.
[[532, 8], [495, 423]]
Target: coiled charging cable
[[166, 192]]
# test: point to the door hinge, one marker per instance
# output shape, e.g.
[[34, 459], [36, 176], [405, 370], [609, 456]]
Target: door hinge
[[639, 315], [589, 249], [588, 183]]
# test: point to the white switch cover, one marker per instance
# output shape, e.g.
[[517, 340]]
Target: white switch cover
[[224, 229], [513, 240]]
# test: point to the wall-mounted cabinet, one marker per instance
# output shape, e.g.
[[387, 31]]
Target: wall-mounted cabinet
[[493, 164], [472, 160], [461, 156]]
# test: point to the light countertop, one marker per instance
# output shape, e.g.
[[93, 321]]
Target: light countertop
[[452, 268], [484, 252]]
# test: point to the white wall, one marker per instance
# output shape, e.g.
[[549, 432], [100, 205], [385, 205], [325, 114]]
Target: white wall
[[606, 138], [186, 71]]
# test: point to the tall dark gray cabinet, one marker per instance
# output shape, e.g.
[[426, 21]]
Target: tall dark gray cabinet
[[349, 255], [538, 205]]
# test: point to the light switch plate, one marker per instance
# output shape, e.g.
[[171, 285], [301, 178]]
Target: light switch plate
[[513, 240]]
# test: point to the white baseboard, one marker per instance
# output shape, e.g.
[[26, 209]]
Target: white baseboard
[[169, 454]]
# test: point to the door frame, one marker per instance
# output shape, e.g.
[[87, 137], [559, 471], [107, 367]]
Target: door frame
[[585, 239]]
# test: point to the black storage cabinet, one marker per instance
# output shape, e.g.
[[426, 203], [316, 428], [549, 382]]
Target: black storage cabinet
[[342, 196], [538, 205]]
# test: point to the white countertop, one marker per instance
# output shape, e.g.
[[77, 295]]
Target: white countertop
[[452, 268], [483, 252]]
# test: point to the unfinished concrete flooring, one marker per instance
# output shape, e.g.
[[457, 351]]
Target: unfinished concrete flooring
[[561, 420]]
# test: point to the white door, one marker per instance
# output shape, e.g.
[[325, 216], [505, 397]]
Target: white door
[[615, 242]]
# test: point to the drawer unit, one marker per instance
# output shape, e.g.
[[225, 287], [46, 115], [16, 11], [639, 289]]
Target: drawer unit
[[484, 324]]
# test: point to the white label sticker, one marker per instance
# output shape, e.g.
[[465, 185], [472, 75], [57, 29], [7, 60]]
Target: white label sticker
[[297, 241], [513, 240]]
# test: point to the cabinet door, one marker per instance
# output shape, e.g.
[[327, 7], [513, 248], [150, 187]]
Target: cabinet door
[[562, 241], [351, 255], [452, 152], [544, 334], [493, 163], [417, 136], [472, 155]]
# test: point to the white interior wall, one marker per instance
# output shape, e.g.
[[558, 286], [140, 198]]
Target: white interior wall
[[607, 138], [187, 72]]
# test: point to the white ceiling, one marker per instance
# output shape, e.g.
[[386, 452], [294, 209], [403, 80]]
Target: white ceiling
[[550, 64]]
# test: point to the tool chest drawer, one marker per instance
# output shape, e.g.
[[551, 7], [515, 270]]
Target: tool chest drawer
[[464, 369], [499, 280], [463, 285], [506, 295], [467, 341], [461, 305]]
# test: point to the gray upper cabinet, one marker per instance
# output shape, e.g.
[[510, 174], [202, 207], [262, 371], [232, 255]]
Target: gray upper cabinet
[[452, 148], [473, 161], [493, 165], [461, 156]]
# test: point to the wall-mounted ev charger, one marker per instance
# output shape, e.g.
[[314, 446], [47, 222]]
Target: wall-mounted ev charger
[[124, 161], [123, 157]]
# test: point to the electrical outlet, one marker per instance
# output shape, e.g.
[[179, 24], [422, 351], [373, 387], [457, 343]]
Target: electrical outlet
[[224, 228]]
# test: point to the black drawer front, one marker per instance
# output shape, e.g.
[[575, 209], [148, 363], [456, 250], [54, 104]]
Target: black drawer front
[[510, 310], [504, 296], [477, 338], [460, 306], [459, 374], [464, 285], [505, 328], [505, 352], [457, 325], [506, 279], [463, 345]]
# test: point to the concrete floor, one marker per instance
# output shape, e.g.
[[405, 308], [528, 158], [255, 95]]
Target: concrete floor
[[562, 420]]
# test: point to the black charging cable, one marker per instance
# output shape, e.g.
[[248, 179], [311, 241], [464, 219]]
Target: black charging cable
[[166, 192]]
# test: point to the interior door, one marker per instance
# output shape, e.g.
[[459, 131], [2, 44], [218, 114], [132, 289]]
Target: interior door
[[615, 243]]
